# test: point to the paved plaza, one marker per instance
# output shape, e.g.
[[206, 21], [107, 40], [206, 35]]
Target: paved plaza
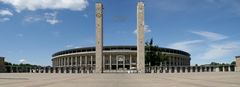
[[121, 80]]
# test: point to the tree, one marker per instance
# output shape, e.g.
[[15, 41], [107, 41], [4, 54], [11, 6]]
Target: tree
[[214, 63], [149, 53], [233, 63], [154, 56], [8, 63]]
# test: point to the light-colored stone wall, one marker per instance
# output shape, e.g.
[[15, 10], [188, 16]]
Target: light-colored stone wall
[[140, 38], [238, 63], [99, 37], [2, 64]]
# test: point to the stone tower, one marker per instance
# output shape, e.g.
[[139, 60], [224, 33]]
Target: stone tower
[[2, 65], [140, 38], [99, 37], [237, 63]]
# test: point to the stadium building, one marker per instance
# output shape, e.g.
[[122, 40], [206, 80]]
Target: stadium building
[[115, 58]]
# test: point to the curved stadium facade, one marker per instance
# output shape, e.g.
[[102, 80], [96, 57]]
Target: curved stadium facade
[[114, 57]]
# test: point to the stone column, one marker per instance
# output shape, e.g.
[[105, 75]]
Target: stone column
[[99, 37], [67, 61], [91, 61], [173, 61], [62, 61], [140, 38], [58, 62], [76, 62], [170, 61], [86, 62], [116, 63], [71, 61], [110, 57], [80, 61], [124, 63], [237, 69], [130, 61], [55, 62]]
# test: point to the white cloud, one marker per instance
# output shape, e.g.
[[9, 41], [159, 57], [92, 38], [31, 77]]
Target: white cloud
[[213, 46], [185, 45], [32, 5], [146, 29], [220, 50], [210, 35], [51, 18], [4, 19], [23, 61], [33, 18], [5, 13], [85, 15], [71, 46]]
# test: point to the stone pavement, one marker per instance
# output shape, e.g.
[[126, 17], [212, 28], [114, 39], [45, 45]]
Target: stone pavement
[[229, 79]]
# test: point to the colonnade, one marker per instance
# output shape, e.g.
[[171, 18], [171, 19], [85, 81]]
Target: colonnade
[[153, 69], [190, 69], [110, 62], [84, 60], [13, 69]]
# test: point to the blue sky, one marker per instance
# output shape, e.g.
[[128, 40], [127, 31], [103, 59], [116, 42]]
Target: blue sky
[[32, 30]]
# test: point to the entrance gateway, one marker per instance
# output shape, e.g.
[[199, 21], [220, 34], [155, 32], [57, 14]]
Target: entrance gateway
[[121, 62]]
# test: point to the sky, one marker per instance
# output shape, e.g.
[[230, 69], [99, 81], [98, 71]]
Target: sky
[[32, 30]]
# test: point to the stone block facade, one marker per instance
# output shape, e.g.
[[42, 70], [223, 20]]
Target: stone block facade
[[237, 63], [2, 64]]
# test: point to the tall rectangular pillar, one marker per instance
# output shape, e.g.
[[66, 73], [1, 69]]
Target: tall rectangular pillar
[[99, 37], [110, 57], [237, 69], [140, 38]]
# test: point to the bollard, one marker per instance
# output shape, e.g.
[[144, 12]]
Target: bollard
[[76, 70], [70, 70], [152, 71], [223, 69], [229, 69], [217, 69]]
